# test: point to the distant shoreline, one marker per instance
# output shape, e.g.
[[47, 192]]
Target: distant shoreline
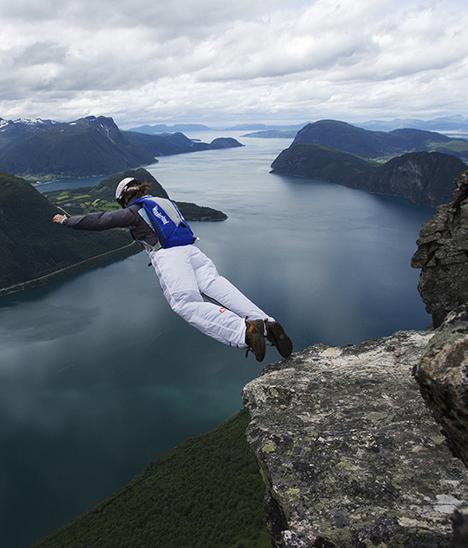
[[120, 252]]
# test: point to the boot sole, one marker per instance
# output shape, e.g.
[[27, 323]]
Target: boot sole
[[260, 350], [277, 336]]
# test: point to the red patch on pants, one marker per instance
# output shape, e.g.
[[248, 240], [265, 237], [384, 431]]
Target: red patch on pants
[[222, 309]]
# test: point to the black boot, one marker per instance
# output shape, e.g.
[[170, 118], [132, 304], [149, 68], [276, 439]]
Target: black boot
[[255, 338], [277, 336]]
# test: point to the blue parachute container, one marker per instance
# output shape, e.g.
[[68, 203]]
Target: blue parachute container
[[166, 220]]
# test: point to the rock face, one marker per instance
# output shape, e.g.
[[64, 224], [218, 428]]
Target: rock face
[[421, 177], [442, 255], [443, 378], [349, 454]]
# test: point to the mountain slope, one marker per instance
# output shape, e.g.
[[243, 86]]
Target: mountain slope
[[87, 146], [319, 162], [207, 492], [32, 246], [422, 177]]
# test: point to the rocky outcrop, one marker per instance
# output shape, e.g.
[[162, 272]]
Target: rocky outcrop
[[442, 255], [349, 453], [443, 378]]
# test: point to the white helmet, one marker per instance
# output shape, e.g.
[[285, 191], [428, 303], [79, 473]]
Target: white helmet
[[123, 186]]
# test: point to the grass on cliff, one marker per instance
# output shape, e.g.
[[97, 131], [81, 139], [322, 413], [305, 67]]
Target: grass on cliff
[[207, 492]]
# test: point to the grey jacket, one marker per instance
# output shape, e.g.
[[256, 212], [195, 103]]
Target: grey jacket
[[120, 218]]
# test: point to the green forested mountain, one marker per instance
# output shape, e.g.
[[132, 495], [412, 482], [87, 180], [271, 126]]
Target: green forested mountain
[[205, 493], [31, 245], [319, 162], [421, 177]]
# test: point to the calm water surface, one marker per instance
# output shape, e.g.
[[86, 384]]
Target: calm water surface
[[98, 376]]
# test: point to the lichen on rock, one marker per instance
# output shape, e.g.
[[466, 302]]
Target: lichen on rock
[[353, 457]]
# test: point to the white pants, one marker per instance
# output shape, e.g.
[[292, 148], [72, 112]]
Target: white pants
[[186, 275]]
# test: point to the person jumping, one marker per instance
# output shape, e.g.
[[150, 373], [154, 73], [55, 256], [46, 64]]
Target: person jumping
[[189, 279]]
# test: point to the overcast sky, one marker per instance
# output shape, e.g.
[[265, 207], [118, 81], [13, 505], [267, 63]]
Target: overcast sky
[[218, 61]]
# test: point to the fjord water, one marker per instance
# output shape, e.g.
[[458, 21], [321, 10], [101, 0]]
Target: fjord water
[[98, 376]]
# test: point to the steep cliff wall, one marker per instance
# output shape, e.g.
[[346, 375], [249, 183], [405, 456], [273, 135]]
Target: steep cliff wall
[[442, 255]]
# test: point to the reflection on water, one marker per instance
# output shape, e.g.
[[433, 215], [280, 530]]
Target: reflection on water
[[98, 376]]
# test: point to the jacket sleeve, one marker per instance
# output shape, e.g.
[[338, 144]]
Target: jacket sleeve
[[120, 218]]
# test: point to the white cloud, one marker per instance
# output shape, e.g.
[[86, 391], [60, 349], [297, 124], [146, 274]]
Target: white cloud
[[140, 60]]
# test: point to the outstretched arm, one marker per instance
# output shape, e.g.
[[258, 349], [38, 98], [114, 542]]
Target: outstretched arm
[[120, 218]]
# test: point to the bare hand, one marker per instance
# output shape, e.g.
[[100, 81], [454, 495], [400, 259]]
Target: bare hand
[[59, 218]]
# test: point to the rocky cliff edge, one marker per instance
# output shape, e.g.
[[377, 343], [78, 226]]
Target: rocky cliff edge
[[348, 451]]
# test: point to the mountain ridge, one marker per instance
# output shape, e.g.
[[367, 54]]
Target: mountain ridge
[[367, 143], [87, 146]]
